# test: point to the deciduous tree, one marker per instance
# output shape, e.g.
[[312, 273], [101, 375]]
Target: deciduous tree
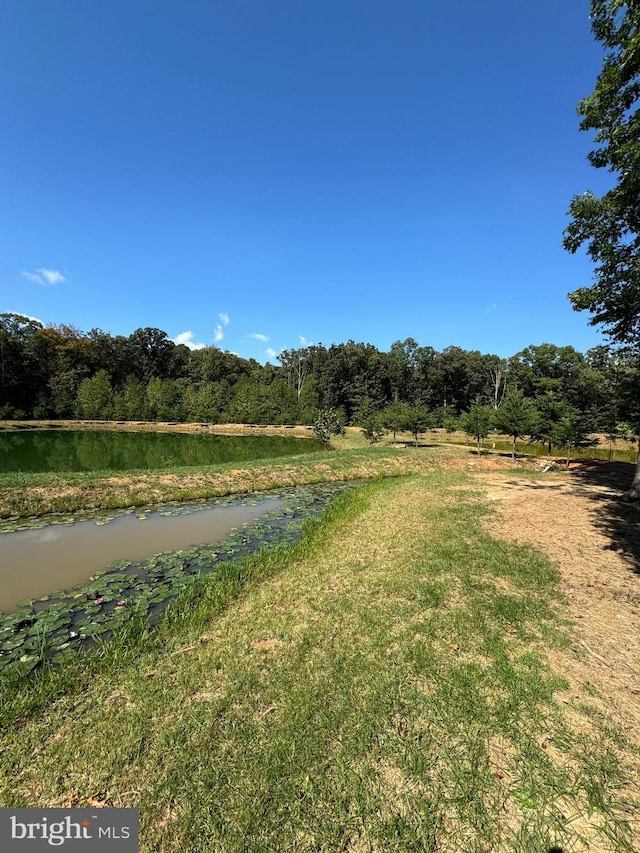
[[609, 224]]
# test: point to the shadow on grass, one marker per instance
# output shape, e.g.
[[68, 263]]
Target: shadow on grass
[[605, 483]]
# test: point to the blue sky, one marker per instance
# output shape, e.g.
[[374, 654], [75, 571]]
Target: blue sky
[[262, 173]]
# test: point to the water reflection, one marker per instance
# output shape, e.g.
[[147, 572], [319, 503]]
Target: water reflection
[[109, 450], [35, 562]]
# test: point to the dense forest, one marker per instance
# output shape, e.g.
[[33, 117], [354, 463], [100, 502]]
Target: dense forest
[[61, 372]]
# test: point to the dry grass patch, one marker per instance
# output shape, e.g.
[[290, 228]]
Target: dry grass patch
[[602, 586], [382, 691], [34, 494]]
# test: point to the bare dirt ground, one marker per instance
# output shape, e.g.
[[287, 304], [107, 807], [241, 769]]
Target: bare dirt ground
[[578, 520]]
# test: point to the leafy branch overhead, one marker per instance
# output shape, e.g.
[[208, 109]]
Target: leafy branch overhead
[[609, 225]]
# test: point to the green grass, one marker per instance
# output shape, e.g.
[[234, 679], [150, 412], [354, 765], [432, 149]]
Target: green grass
[[23, 495], [381, 686]]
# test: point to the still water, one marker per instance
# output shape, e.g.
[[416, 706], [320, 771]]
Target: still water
[[35, 562], [110, 450]]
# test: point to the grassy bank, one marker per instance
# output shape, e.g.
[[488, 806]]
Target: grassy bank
[[34, 494], [24, 495], [382, 686]]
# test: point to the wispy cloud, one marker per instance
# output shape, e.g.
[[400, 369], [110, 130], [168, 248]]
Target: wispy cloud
[[304, 341], [271, 352], [186, 338], [44, 276], [218, 332], [26, 316], [258, 337]]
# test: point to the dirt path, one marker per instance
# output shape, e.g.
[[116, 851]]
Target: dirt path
[[577, 519]]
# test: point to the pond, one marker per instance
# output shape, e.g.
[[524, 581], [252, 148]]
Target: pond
[[62, 621], [57, 556], [111, 450]]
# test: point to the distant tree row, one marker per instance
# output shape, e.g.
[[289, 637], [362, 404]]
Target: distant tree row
[[546, 420], [61, 372]]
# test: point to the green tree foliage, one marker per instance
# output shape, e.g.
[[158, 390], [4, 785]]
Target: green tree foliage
[[550, 409], [417, 421], [151, 352], [131, 402], [396, 418], [308, 402], [20, 374], [297, 365], [455, 378], [103, 351], [214, 365], [348, 373], [373, 427], [609, 225], [497, 370], [403, 368], [95, 397], [571, 431], [209, 401], [538, 370], [478, 421], [326, 425], [516, 416], [164, 399], [59, 371], [263, 402]]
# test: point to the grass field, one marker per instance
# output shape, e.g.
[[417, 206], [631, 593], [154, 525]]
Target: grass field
[[398, 681], [35, 494]]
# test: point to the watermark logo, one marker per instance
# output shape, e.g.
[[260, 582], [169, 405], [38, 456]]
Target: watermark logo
[[86, 830]]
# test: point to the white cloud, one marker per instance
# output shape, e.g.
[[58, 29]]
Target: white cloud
[[224, 319], [218, 334], [28, 316], [304, 341], [258, 337], [271, 352], [186, 338], [48, 535], [51, 276], [44, 276]]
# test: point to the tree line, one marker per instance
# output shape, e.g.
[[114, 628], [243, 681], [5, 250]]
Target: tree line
[[61, 372]]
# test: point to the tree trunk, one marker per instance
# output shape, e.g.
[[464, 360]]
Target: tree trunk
[[634, 492]]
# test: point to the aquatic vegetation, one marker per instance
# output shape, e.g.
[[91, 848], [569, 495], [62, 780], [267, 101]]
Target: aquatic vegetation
[[62, 622]]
